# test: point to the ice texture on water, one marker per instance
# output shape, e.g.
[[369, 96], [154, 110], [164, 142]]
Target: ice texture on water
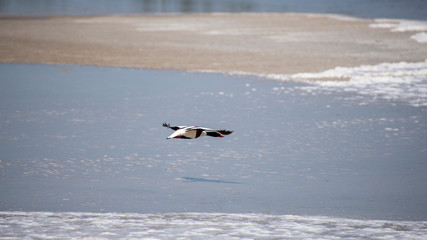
[[404, 26], [401, 81], [420, 37], [200, 226], [400, 25]]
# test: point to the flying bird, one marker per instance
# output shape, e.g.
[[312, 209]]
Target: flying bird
[[192, 132]]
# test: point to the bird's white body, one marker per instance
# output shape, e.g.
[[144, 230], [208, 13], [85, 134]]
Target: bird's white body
[[193, 132], [188, 132]]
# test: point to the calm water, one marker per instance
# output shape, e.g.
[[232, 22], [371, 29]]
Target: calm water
[[408, 9], [83, 154], [80, 138]]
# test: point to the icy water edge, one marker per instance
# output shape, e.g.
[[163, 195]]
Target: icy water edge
[[89, 139]]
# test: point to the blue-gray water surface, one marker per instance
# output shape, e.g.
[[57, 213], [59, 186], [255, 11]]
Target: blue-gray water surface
[[90, 139], [408, 9]]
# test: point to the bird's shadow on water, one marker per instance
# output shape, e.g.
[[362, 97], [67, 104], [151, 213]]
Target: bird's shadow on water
[[205, 180]]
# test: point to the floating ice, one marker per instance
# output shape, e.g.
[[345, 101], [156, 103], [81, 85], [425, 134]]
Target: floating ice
[[404, 26], [400, 25], [51, 225], [420, 37], [392, 81]]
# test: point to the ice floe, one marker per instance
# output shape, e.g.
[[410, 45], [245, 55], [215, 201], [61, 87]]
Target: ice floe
[[401, 81], [420, 37], [404, 26], [197, 225]]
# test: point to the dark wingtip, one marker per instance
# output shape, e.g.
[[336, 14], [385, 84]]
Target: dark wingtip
[[225, 132]]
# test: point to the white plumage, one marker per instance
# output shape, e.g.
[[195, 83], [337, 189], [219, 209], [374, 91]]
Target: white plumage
[[193, 132]]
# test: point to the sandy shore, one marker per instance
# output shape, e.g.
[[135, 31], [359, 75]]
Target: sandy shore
[[251, 43]]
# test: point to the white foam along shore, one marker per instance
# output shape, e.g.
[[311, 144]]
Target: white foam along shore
[[198, 225], [418, 27], [394, 81], [401, 81], [404, 81]]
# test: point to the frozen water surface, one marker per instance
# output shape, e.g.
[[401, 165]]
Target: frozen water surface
[[90, 139], [402, 82], [100, 226]]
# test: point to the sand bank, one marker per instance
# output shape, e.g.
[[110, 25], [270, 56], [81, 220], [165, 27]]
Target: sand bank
[[250, 43]]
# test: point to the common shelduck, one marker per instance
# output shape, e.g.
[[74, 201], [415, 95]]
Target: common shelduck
[[194, 132]]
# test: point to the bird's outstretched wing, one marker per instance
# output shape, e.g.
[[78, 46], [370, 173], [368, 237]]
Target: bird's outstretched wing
[[209, 130], [169, 126], [225, 132], [184, 129], [199, 128], [218, 133]]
